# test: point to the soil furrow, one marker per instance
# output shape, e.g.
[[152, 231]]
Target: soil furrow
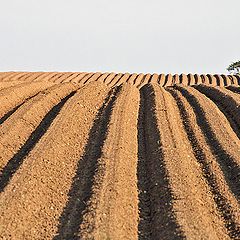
[[109, 78], [234, 80], [8, 114], [168, 80], [7, 75], [157, 219], [14, 97], [45, 77], [56, 77], [220, 80], [198, 79], [38, 191], [178, 180], [226, 102], [95, 77], [132, 79], [220, 137], [30, 117], [138, 79], [6, 85], [3, 75], [85, 78], [103, 77], [14, 75], [144, 80], [79, 77], [212, 80], [176, 79], [183, 79], [18, 77], [112, 210], [234, 89], [24, 77], [52, 76], [15, 162], [64, 76], [34, 76], [69, 78], [154, 79], [123, 79], [41, 76], [7, 91], [187, 185], [114, 80], [191, 79], [80, 191], [144, 227], [161, 79], [227, 204]]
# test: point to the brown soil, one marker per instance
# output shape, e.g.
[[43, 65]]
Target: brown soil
[[119, 156]]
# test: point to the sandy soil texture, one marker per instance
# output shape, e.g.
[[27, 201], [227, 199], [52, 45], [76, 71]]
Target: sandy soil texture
[[119, 156]]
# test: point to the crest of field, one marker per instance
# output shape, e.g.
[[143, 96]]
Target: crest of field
[[9, 79]]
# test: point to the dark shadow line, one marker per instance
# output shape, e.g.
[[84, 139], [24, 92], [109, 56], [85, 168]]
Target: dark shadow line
[[86, 81], [150, 79], [231, 114], [230, 169], [142, 81], [8, 114], [107, 75], [203, 79], [117, 80], [189, 79], [238, 78], [234, 89], [197, 78], [9, 87], [157, 219], [130, 75], [134, 82], [231, 78], [217, 79], [91, 75], [209, 78], [104, 81], [166, 80], [19, 79], [180, 79], [15, 162], [81, 188], [223, 158], [224, 79], [60, 76]]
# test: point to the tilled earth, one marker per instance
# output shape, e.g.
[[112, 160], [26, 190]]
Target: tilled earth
[[119, 156]]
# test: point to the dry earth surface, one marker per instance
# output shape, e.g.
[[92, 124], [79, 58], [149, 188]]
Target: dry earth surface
[[119, 156]]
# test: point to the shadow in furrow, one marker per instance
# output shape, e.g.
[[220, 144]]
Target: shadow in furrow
[[15, 162], [144, 227], [231, 112], [157, 219], [223, 206], [229, 167], [81, 189], [234, 89], [8, 114]]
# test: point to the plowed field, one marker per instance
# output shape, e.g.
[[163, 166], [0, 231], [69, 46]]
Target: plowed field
[[119, 156]]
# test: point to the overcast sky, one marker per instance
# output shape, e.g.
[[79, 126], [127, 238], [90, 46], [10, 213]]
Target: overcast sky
[[170, 36]]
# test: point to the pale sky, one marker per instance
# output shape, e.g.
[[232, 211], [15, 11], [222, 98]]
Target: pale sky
[[149, 36]]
